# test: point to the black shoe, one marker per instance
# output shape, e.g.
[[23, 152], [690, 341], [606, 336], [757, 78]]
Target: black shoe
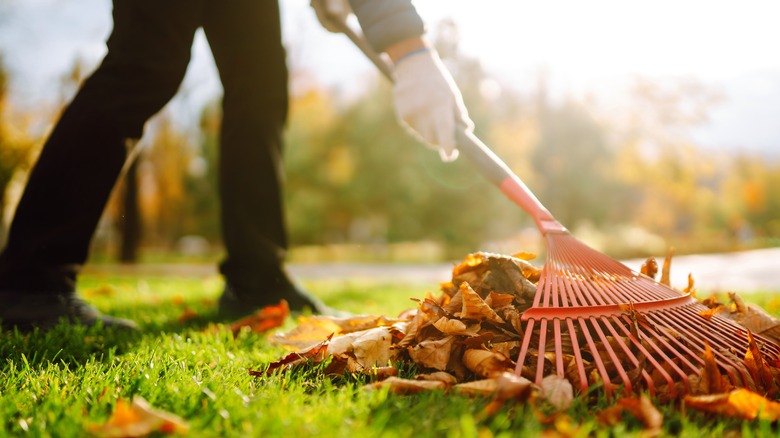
[[235, 304], [27, 310]]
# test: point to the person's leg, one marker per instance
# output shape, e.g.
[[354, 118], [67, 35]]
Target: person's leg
[[245, 38], [148, 53]]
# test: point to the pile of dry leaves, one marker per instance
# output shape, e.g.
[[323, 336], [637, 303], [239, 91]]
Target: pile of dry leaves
[[465, 339]]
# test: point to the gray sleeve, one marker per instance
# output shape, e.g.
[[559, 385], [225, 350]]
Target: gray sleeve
[[386, 22]]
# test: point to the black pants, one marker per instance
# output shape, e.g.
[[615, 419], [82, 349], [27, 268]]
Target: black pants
[[148, 53]]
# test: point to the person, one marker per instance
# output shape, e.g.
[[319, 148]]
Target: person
[[148, 53]]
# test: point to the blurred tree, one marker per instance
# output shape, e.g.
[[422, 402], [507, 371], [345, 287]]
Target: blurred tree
[[16, 148], [201, 178], [754, 203], [164, 198], [355, 176], [673, 179], [576, 163]]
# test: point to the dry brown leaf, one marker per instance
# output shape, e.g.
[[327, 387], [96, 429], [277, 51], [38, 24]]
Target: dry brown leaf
[[187, 314], [496, 300], [610, 416], [265, 319], [342, 344], [557, 391], [690, 289], [531, 272], [506, 348], [709, 313], [315, 354], [665, 271], [649, 267], [105, 290], [372, 347], [710, 380], [456, 327], [641, 408], [474, 307], [739, 305], [397, 385], [455, 303], [485, 363], [308, 331], [138, 418], [711, 301], [468, 264], [413, 327], [636, 317], [359, 323], [511, 387], [382, 373], [739, 403], [483, 388], [341, 364], [754, 318], [522, 255], [755, 363], [439, 376], [432, 353]]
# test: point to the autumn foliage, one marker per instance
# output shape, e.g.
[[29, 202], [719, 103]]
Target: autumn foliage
[[467, 338]]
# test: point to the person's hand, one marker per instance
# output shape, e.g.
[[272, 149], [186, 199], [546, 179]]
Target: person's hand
[[332, 13], [428, 102]]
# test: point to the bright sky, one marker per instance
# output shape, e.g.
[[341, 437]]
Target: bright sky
[[593, 46]]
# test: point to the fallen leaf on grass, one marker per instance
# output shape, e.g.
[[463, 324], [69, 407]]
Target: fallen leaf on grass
[[360, 323], [265, 319], [511, 387], [309, 331], [104, 290], [739, 403], [557, 391], [187, 314], [341, 344], [486, 363], [641, 408], [484, 388], [474, 328], [439, 376], [372, 347], [138, 418], [314, 354], [397, 385], [432, 353]]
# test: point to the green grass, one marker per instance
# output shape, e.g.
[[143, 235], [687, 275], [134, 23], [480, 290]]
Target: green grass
[[59, 382]]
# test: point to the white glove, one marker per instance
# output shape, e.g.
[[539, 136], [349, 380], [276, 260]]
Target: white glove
[[428, 103], [332, 13]]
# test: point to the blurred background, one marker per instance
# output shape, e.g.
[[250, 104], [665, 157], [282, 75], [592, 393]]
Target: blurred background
[[640, 125]]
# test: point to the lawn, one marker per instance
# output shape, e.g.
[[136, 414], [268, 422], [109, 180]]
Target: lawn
[[60, 382]]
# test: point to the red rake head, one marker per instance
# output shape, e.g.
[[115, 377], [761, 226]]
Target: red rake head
[[595, 321]]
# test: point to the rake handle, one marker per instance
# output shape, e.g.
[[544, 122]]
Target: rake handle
[[480, 155]]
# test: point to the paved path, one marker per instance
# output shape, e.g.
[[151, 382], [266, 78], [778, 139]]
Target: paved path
[[747, 271]]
